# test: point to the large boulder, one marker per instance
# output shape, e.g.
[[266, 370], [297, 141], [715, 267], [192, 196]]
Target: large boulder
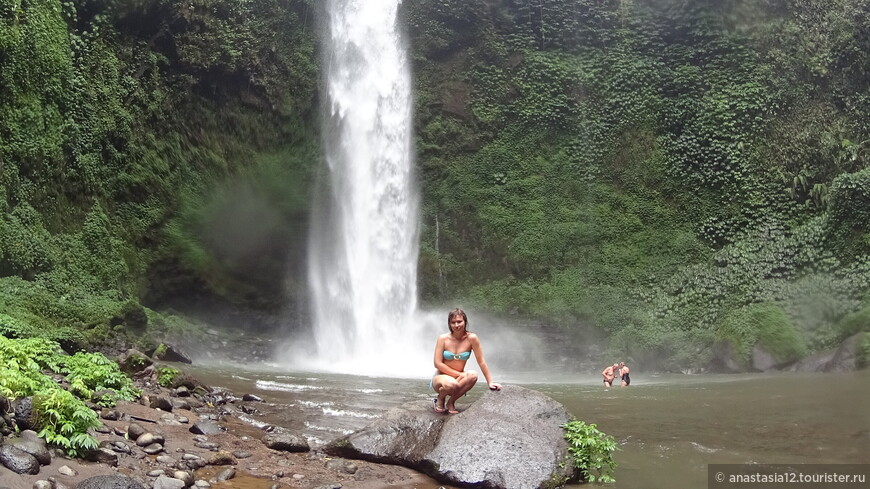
[[510, 439]]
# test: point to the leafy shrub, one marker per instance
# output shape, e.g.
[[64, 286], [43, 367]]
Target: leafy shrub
[[592, 450], [765, 325], [89, 372], [64, 420], [166, 375]]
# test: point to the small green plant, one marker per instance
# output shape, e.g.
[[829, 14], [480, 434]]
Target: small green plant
[[592, 450], [166, 375], [64, 421], [89, 372]]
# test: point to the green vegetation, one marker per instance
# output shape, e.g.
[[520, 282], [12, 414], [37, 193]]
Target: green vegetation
[[673, 175], [61, 415], [166, 375], [592, 451]]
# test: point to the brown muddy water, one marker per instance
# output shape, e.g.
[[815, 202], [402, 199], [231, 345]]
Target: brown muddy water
[[669, 427]]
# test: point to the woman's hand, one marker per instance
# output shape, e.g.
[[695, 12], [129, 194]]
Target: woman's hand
[[494, 386]]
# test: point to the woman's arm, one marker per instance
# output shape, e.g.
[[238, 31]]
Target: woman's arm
[[481, 361]]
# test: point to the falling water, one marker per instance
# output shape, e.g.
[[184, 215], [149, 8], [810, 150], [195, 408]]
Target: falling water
[[363, 245]]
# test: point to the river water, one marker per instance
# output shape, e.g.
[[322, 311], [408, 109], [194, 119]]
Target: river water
[[668, 426]]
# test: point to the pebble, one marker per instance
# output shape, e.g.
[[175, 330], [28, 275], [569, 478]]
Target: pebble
[[156, 473], [66, 470]]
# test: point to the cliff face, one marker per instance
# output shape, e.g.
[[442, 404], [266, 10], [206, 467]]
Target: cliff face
[[673, 175]]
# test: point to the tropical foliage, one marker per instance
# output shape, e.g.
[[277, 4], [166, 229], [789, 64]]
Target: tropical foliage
[[673, 175]]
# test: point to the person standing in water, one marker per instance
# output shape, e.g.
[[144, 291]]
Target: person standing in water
[[623, 374], [609, 374], [452, 351]]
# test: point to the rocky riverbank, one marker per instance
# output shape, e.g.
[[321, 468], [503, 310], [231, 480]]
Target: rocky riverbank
[[188, 436]]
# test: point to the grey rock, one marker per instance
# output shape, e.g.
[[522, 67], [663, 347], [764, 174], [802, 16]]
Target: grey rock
[[149, 438], [184, 476], [42, 484], [160, 402], [135, 430], [224, 475], [18, 461], [202, 484], [153, 449], [109, 482], [252, 397], [164, 482], [66, 470], [763, 360], [330, 485], [180, 403], [286, 442], [242, 454], [508, 439], [846, 357], [23, 412], [103, 456], [35, 448], [156, 473], [206, 427]]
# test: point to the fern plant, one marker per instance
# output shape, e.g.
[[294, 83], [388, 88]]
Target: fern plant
[[64, 421], [89, 372], [592, 450]]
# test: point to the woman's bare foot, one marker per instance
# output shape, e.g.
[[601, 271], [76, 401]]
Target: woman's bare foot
[[439, 409]]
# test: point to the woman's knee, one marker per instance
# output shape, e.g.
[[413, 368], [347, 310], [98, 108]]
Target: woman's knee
[[449, 386]]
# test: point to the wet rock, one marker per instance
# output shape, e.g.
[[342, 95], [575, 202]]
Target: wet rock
[[179, 403], [286, 442], [252, 397], [507, 439], [206, 427], [23, 412], [18, 461], [221, 458], [153, 449], [109, 482], [32, 445], [182, 391], [846, 358], [224, 475], [103, 456], [160, 402], [164, 482], [133, 361], [110, 414], [248, 409], [170, 353], [149, 438], [184, 476], [135, 430]]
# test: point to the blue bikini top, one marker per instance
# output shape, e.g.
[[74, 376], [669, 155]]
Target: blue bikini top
[[449, 355]]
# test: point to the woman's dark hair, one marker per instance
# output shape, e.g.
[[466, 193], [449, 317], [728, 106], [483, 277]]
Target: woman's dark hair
[[457, 312]]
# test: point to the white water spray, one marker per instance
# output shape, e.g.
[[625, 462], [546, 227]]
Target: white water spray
[[363, 246]]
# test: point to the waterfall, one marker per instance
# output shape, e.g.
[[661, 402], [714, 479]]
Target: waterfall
[[363, 243]]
